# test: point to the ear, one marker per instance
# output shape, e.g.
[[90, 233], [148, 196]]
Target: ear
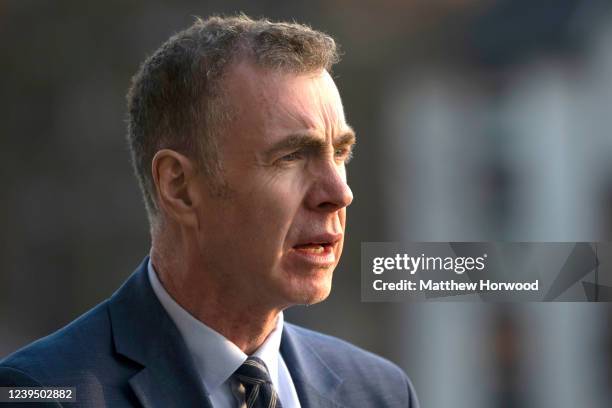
[[174, 176]]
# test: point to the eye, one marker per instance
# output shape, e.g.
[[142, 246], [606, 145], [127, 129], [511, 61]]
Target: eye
[[291, 157], [344, 154]]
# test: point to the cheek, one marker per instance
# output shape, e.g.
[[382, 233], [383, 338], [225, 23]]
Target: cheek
[[279, 194], [270, 210]]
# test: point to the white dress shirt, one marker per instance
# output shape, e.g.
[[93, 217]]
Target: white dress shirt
[[216, 358]]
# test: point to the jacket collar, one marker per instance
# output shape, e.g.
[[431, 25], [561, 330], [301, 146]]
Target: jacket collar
[[143, 332], [315, 382]]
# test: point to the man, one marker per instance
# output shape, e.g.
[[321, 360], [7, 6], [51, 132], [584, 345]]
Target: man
[[240, 145]]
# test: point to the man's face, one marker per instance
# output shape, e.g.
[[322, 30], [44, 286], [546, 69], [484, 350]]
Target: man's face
[[276, 238]]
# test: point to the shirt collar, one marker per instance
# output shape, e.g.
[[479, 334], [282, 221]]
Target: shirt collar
[[270, 349], [215, 357]]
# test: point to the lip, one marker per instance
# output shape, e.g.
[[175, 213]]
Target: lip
[[325, 238], [323, 259]]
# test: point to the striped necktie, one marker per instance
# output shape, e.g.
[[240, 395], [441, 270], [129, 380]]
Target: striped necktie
[[259, 392]]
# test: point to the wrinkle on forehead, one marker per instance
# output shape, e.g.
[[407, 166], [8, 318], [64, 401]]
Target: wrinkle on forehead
[[285, 102], [318, 108]]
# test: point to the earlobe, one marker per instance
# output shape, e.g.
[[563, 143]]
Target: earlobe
[[172, 175]]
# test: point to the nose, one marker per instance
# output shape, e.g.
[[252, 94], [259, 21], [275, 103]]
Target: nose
[[330, 191]]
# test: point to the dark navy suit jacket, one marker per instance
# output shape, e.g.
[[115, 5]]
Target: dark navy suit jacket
[[127, 352]]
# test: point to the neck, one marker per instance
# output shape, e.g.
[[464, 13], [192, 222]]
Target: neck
[[243, 321]]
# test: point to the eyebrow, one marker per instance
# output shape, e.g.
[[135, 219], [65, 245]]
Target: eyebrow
[[307, 140]]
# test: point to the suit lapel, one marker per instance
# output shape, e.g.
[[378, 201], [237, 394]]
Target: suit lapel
[[316, 384], [143, 332]]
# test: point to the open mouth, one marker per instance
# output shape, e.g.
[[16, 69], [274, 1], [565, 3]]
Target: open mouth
[[317, 250], [313, 248]]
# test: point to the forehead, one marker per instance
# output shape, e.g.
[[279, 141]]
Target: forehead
[[277, 102]]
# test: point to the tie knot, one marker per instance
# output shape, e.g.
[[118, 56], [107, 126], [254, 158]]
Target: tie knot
[[253, 371]]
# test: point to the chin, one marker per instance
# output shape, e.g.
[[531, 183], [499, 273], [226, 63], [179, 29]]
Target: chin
[[315, 299], [309, 293]]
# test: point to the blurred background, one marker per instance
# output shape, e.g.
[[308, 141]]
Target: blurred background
[[477, 120]]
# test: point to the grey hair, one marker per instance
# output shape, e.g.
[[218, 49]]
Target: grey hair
[[176, 98]]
